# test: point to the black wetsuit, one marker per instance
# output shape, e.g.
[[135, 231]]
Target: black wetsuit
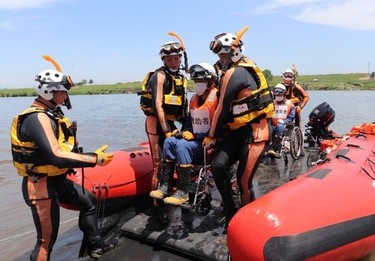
[[45, 193], [245, 144]]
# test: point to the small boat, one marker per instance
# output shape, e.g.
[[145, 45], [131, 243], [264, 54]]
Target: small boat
[[128, 176], [328, 213]]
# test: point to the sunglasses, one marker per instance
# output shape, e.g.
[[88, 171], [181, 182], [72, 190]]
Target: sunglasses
[[197, 71], [288, 75], [171, 46], [217, 46], [67, 82]]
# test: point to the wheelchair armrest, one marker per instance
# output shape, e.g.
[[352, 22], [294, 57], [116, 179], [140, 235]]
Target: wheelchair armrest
[[289, 125]]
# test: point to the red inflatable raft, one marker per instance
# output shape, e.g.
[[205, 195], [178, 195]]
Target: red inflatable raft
[[327, 213], [128, 175]]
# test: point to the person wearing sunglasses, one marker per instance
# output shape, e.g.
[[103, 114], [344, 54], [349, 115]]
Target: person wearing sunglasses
[[295, 92], [285, 113], [164, 103], [44, 150], [240, 125], [184, 148]]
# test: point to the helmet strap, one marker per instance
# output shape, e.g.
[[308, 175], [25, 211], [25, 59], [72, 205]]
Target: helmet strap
[[67, 103], [44, 103]]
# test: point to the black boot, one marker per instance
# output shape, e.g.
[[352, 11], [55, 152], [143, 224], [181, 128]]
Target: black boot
[[165, 179], [225, 188], [274, 150], [181, 195], [95, 246]]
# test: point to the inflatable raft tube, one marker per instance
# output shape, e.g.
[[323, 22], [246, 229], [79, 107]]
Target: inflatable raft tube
[[126, 177], [327, 213]]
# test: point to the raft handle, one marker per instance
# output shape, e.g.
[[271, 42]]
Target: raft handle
[[353, 145], [343, 156], [360, 135]]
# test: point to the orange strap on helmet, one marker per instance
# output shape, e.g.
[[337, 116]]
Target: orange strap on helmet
[[183, 48], [58, 68], [179, 39], [238, 37], [295, 70], [53, 61]]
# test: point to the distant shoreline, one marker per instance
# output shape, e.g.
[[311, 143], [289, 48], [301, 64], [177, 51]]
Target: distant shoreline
[[354, 81]]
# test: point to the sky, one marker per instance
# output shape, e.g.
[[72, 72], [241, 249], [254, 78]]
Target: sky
[[116, 41]]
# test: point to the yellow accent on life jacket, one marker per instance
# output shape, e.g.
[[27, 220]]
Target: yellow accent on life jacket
[[256, 106], [175, 101], [27, 157]]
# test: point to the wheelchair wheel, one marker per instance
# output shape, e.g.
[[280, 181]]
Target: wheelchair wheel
[[204, 206], [296, 142]]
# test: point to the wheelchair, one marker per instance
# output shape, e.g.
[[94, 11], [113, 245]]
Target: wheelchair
[[202, 187], [292, 143]]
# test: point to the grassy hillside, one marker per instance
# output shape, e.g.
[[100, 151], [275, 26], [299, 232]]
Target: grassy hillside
[[356, 81], [310, 82]]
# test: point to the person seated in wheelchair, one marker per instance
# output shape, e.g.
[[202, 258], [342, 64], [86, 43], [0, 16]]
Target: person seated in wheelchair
[[285, 114], [184, 148]]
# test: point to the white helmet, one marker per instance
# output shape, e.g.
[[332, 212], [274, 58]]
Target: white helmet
[[52, 80], [288, 74], [223, 44], [288, 77], [279, 88], [171, 48], [202, 71]]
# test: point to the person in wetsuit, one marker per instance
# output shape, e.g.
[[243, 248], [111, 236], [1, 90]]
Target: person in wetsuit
[[295, 93], [164, 103], [44, 151], [183, 149], [240, 126]]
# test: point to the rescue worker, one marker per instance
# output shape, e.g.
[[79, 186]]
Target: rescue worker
[[184, 149], [285, 113], [164, 102], [44, 151], [240, 123], [295, 92]]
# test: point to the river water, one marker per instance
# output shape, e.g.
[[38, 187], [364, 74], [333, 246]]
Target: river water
[[116, 120]]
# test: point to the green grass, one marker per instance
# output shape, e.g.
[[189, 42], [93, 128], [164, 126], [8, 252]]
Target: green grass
[[310, 82], [355, 81]]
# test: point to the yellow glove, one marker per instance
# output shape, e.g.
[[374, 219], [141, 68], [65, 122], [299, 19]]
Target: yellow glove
[[187, 135], [103, 158], [208, 142], [167, 134], [175, 132]]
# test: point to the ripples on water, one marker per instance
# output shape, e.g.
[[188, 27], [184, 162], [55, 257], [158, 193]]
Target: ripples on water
[[117, 120]]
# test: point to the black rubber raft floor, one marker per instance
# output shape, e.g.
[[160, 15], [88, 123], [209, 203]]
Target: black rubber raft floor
[[188, 233]]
